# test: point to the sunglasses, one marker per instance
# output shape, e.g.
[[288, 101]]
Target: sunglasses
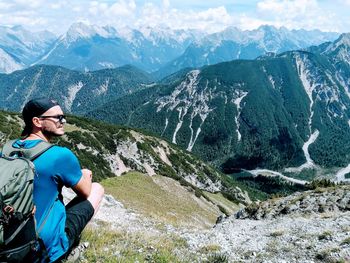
[[60, 118]]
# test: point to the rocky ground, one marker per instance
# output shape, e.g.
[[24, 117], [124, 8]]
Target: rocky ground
[[312, 226]]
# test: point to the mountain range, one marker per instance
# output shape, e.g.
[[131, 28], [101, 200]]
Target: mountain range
[[19, 48], [77, 91], [159, 50], [288, 110]]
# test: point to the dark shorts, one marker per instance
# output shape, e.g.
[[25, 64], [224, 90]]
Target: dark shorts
[[79, 212]]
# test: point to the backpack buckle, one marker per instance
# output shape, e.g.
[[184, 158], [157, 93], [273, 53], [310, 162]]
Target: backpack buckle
[[8, 209]]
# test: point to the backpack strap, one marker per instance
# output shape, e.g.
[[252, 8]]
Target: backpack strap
[[31, 153]]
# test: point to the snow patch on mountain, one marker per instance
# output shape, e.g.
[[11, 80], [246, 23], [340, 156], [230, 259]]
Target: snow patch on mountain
[[319, 83], [185, 97], [106, 64], [343, 83], [32, 87], [72, 92], [103, 88], [238, 96], [272, 81], [166, 125], [309, 86], [182, 113]]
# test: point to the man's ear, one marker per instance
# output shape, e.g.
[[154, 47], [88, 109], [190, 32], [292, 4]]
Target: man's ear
[[36, 122]]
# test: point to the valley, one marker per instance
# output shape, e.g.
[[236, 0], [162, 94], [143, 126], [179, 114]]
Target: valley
[[228, 147]]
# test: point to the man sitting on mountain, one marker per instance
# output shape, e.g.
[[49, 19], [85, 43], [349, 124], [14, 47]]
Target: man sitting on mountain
[[59, 226]]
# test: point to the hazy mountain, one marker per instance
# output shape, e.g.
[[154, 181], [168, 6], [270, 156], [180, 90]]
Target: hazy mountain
[[76, 91], [233, 43], [86, 47], [23, 46], [279, 111], [8, 63], [160, 50]]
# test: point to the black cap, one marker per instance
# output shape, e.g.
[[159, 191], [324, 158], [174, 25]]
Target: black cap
[[35, 108]]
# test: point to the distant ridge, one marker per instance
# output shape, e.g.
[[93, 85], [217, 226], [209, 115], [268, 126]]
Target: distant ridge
[[156, 50]]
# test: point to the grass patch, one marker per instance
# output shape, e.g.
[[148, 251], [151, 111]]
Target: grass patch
[[218, 199], [210, 249], [326, 235], [217, 258], [117, 246], [277, 233], [326, 255], [346, 241], [72, 127], [162, 199]]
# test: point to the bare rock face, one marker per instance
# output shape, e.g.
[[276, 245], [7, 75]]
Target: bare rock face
[[335, 199], [312, 226]]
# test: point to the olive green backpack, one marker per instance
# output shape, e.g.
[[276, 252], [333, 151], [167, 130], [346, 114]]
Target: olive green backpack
[[19, 240]]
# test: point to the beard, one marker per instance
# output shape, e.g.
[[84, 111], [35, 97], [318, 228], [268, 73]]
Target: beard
[[50, 134]]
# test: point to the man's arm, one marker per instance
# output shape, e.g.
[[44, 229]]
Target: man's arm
[[83, 187]]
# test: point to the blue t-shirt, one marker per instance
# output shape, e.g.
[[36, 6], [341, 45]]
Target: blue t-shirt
[[55, 168]]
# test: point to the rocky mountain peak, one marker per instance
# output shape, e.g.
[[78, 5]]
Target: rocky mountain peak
[[82, 30], [340, 48], [344, 39]]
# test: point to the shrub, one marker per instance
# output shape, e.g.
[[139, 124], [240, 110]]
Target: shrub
[[217, 258], [323, 183], [325, 235]]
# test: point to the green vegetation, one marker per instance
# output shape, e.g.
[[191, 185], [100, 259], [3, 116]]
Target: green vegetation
[[325, 235], [160, 198], [217, 258], [277, 233], [225, 205], [273, 121], [92, 141], [325, 255], [346, 241], [322, 183], [96, 88], [270, 186], [106, 245]]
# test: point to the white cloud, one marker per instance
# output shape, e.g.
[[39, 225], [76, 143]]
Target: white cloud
[[29, 4], [4, 6], [306, 14], [212, 19], [122, 8], [60, 14]]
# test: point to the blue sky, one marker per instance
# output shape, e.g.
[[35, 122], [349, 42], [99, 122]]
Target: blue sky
[[211, 16]]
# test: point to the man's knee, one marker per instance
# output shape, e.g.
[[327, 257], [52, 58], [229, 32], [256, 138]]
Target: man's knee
[[96, 195], [98, 188]]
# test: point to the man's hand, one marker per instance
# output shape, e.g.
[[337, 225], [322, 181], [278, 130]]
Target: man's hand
[[87, 173]]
